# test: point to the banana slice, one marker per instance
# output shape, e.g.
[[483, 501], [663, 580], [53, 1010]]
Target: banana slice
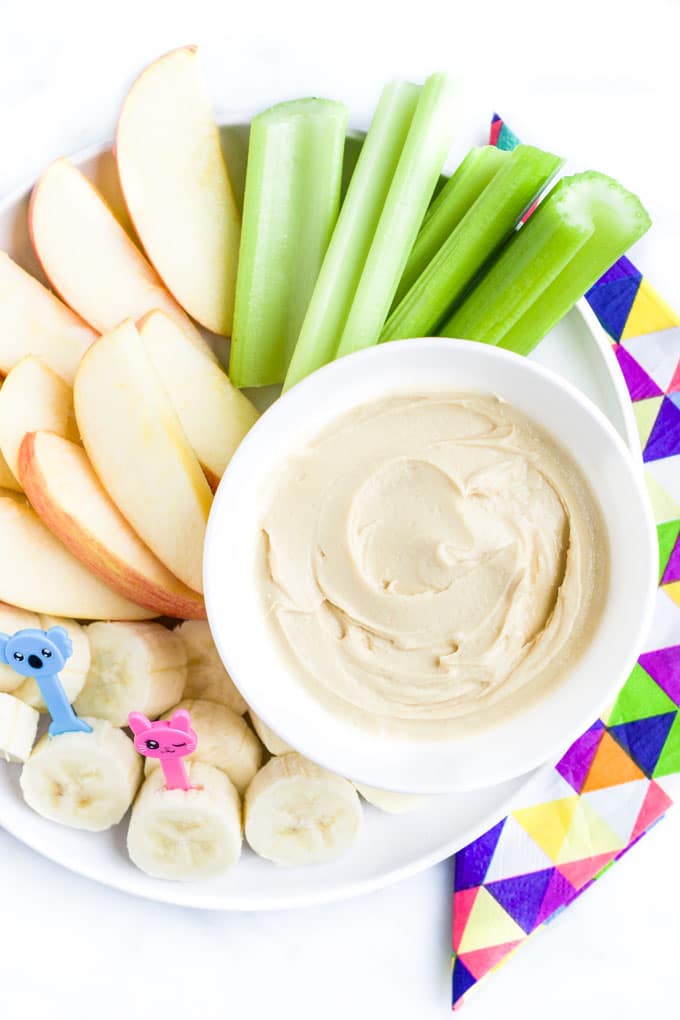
[[206, 676], [12, 619], [18, 727], [224, 740], [298, 813], [135, 667], [272, 741], [186, 834], [84, 780], [386, 800], [74, 672], [393, 803]]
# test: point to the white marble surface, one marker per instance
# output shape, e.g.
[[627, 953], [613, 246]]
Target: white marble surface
[[600, 82]]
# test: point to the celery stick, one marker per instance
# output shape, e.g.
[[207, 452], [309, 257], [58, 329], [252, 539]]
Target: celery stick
[[463, 187], [616, 218], [527, 264], [478, 236], [290, 206], [415, 177], [351, 241]]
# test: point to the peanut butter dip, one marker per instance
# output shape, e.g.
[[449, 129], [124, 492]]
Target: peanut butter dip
[[427, 555]]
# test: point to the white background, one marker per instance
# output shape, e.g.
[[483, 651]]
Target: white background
[[596, 80]]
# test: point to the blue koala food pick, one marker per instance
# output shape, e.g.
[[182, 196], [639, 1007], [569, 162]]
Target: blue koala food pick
[[41, 654]]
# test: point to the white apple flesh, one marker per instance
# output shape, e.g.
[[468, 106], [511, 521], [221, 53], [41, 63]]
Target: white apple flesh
[[177, 189], [39, 574], [89, 258], [33, 397], [136, 445], [214, 414], [7, 479], [34, 321], [70, 500]]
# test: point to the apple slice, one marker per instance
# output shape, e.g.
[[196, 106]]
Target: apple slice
[[34, 321], [137, 447], [90, 259], [33, 397], [40, 574], [17, 495], [214, 414], [7, 479], [176, 187], [68, 497]]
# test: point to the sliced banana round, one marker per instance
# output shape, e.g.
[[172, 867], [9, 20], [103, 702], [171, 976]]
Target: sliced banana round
[[206, 676], [135, 667], [11, 620], [386, 800], [298, 813], [224, 740], [186, 834], [272, 741], [74, 672], [393, 803], [84, 780], [18, 727]]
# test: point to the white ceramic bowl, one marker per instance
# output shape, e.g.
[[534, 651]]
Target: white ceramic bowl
[[516, 742]]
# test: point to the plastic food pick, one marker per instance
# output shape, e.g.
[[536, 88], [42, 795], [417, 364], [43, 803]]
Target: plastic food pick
[[42, 654], [169, 740]]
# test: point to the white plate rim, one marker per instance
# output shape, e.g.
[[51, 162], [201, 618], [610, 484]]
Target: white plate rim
[[177, 894]]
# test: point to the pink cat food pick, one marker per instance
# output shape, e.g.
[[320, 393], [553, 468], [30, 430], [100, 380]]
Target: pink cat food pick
[[169, 740]]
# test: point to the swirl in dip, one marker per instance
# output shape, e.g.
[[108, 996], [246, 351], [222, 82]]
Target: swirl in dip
[[428, 555]]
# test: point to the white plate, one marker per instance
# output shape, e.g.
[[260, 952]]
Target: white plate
[[390, 847]]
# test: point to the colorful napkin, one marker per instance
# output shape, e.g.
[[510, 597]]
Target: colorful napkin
[[615, 782]]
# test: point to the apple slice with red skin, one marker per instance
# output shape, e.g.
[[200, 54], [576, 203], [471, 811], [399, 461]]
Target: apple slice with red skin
[[176, 187], [89, 258], [40, 574], [33, 397], [214, 414], [65, 492], [140, 453], [34, 321]]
